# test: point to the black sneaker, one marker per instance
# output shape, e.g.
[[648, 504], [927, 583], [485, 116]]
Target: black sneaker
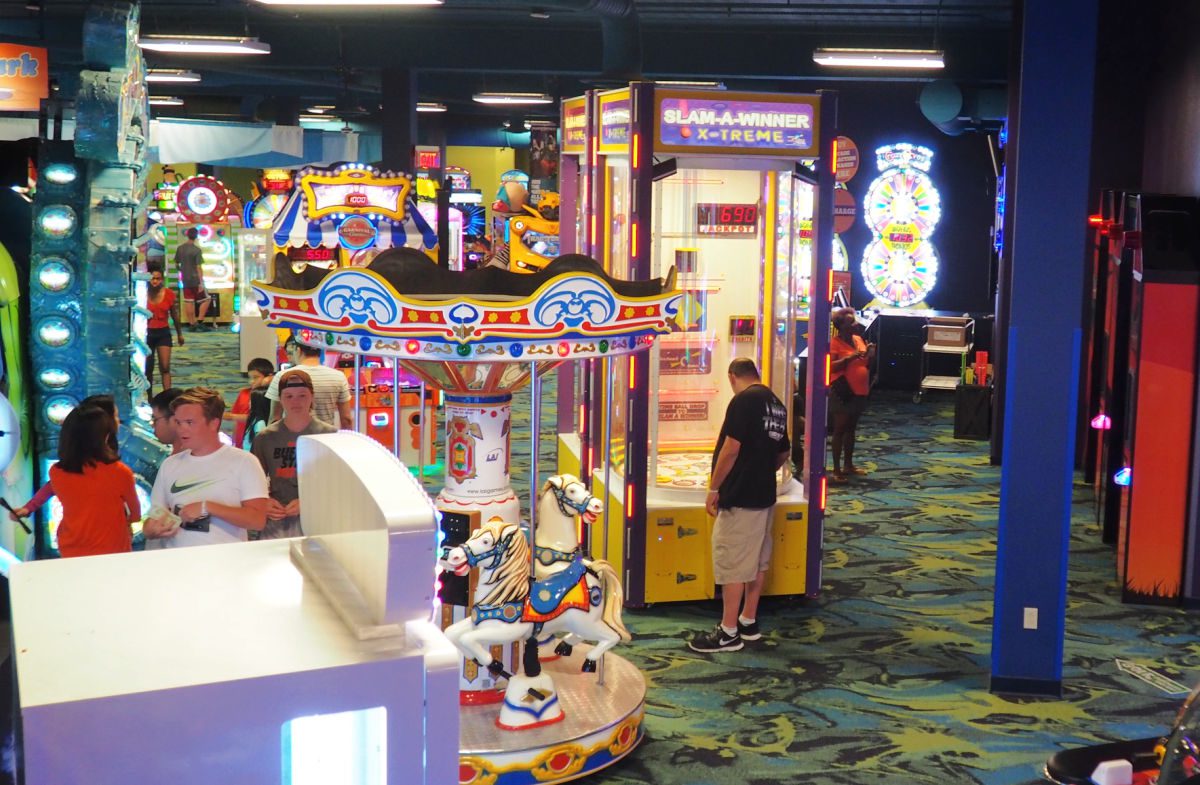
[[716, 640], [749, 632]]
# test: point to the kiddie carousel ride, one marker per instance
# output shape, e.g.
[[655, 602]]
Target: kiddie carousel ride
[[478, 336], [717, 185]]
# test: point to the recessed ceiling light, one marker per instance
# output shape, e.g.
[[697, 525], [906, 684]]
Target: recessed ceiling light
[[172, 75], [336, 3], [512, 98], [165, 100], [880, 58], [204, 44], [429, 106]]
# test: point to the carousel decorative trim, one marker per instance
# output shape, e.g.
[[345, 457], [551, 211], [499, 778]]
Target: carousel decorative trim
[[570, 316]]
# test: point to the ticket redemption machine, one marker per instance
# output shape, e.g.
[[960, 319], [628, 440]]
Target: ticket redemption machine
[[1157, 549], [205, 204], [692, 180]]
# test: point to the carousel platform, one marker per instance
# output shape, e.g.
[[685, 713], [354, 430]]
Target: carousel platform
[[603, 723]]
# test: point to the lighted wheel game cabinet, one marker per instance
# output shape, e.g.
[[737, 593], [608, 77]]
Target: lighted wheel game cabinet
[[1157, 549], [705, 182]]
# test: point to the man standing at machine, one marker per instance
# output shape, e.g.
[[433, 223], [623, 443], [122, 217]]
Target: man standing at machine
[[753, 444], [189, 259], [275, 449]]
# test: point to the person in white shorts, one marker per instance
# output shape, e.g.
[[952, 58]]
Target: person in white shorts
[[208, 493], [753, 444]]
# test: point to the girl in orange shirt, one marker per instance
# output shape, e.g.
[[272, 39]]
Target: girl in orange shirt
[[95, 489], [850, 383]]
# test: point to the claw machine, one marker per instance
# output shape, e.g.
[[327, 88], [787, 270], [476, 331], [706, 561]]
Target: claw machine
[[687, 185]]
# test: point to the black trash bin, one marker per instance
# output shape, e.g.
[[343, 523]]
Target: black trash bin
[[973, 411]]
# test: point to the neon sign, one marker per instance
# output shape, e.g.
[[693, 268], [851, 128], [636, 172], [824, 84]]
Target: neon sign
[[743, 122]]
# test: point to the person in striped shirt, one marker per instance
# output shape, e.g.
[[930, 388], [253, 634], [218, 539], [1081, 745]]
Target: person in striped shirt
[[331, 390]]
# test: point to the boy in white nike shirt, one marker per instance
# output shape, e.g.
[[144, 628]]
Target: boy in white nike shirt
[[219, 492]]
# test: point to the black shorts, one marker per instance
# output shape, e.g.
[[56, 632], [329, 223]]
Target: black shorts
[[159, 336], [855, 406]]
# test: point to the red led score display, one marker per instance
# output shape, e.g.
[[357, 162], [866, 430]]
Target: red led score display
[[714, 218], [307, 254]]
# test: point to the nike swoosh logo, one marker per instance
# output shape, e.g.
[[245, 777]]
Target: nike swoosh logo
[[177, 488]]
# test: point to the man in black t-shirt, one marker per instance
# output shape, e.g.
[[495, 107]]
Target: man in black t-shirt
[[753, 444]]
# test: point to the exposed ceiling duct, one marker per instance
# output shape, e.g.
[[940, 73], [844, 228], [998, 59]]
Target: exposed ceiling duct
[[955, 110], [621, 34]]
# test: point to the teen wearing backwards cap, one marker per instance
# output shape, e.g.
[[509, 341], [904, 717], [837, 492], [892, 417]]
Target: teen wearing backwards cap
[[275, 449]]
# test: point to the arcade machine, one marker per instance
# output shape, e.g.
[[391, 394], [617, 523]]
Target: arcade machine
[[205, 203], [1109, 417], [82, 289], [270, 195], [1157, 537], [1092, 394], [16, 439], [533, 237], [704, 169], [343, 218]]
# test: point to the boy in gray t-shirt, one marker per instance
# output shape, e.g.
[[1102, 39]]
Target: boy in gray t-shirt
[[275, 449]]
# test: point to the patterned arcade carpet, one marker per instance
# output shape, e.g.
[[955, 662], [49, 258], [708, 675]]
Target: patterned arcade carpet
[[884, 678]]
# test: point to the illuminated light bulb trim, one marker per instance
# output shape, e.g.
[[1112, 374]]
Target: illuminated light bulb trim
[[60, 174], [55, 378], [55, 275], [55, 332], [57, 221]]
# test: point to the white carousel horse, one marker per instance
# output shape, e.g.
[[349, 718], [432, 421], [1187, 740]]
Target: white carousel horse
[[556, 542], [584, 599]]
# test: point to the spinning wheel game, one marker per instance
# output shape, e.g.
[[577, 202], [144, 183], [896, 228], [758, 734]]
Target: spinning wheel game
[[903, 207]]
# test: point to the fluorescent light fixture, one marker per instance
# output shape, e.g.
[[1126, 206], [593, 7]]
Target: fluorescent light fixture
[[880, 58], [165, 100], [689, 83], [172, 75], [321, 108], [204, 44], [336, 3], [318, 118], [429, 106], [512, 98]]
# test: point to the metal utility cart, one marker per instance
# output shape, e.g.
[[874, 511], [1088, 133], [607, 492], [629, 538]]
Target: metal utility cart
[[953, 335]]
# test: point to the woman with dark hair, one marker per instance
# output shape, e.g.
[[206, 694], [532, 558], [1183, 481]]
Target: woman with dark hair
[[163, 307], [96, 490], [850, 384], [106, 403]]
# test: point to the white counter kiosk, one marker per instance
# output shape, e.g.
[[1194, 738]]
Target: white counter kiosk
[[309, 660]]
